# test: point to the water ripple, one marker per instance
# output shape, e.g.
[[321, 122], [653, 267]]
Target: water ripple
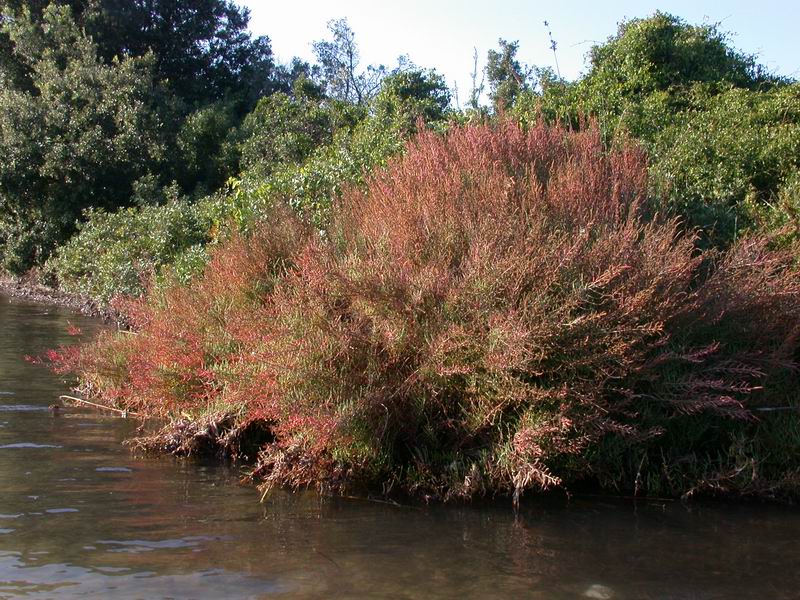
[[22, 408], [27, 445], [168, 544]]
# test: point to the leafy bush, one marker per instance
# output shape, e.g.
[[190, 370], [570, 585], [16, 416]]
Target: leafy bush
[[656, 61], [310, 187], [492, 314], [118, 253], [97, 96], [721, 133], [284, 130], [208, 148], [782, 215], [727, 157]]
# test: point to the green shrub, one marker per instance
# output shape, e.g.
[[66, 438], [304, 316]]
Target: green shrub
[[311, 185], [731, 154], [77, 137], [208, 148], [118, 253], [301, 152], [284, 130], [722, 133]]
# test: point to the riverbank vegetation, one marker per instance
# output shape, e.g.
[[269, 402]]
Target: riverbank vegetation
[[498, 310], [588, 282]]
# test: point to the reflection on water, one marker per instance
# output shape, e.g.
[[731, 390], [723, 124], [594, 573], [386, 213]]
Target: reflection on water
[[81, 517]]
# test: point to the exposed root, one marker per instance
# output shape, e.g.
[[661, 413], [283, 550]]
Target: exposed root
[[220, 435]]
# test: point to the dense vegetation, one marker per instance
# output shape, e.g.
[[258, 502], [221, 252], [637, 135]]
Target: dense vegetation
[[721, 133], [582, 281], [494, 313], [106, 104], [723, 136]]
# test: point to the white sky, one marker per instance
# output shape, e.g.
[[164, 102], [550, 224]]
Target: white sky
[[442, 34]]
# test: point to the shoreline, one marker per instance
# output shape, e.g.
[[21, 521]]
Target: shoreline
[[26, 288], [221, 439]]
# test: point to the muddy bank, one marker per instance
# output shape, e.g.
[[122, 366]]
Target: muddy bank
[[29, 288]]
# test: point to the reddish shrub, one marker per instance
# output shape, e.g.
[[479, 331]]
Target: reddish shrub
[[494, 313]]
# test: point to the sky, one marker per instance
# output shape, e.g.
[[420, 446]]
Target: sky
[[443, 34]]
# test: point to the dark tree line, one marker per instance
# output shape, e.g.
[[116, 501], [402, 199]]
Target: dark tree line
[[104, 102], [203, 49]]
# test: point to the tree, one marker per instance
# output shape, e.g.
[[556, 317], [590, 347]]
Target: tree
[[81, 137], [340, 62], [202, 48], [285, 130], [412, 95], [507, 77], [730, 161], [208, 148], [663, 52], [721, 132], [646, 72]]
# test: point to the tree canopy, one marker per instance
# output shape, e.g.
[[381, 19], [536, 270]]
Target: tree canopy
[[202, 48], [507, 77], [80, 137]]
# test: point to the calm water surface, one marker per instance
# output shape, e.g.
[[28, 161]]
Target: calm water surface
[[80, 517]]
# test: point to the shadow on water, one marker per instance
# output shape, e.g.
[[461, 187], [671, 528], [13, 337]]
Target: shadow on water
[[81, 517]]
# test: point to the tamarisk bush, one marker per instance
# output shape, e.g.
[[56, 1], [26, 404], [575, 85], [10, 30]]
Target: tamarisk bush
[[499, 310]]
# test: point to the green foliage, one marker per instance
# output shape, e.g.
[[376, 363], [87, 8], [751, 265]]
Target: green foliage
[[729, 156], [284, 130], [645, 73], [79, 139], [781, 216], [300, 150], [412, 95], [721, 133], [105, 101], [312, 187], [208, 144], [202, 48], [118, 253], [507, 77], [662, 53]]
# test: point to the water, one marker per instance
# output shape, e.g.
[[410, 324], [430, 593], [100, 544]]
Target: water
[[82, 518]]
